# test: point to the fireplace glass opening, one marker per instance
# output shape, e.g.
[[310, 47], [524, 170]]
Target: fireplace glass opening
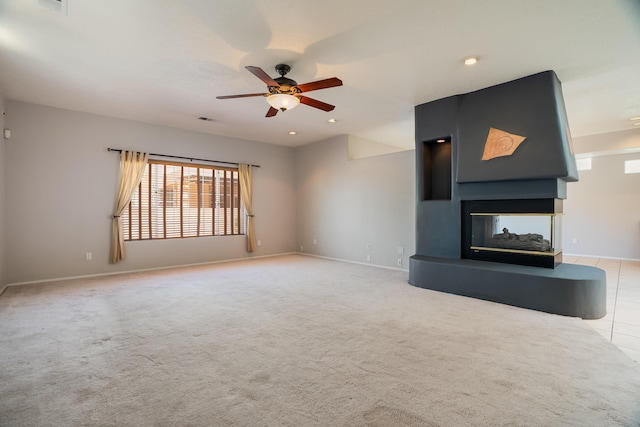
[[527, 238]]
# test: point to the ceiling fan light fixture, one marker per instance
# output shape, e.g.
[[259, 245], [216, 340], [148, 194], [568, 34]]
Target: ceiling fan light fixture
[[282, 101]]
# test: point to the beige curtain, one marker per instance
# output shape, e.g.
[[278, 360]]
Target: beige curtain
[[245, 192], [132, 166]]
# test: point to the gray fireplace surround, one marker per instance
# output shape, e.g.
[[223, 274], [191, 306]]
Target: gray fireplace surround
[[461, 161]]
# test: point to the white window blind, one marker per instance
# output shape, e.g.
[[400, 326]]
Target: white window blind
[[181, 200]]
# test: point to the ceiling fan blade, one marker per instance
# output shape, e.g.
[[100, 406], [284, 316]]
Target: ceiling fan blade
[[260, 73], [246, 95], [320, 84], [315, 103], [272, 112]]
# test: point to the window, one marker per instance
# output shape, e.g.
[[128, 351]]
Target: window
[[632, 166], [177, 200], [584, 164]]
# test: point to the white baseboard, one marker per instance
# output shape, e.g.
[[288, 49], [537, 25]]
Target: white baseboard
[[86, 276], [406, 270], [601, 256], [58, 279]]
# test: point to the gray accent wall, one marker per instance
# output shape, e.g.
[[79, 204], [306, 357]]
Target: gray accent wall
[[62, 182], [532, 107], [527, 180], [355, 208]]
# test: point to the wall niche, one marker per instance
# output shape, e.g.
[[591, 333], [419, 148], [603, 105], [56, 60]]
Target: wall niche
[[437, 169]]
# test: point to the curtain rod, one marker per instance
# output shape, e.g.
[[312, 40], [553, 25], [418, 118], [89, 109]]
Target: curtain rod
[[118, 150]]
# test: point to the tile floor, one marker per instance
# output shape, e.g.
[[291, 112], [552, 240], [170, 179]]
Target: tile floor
[[621, 325]]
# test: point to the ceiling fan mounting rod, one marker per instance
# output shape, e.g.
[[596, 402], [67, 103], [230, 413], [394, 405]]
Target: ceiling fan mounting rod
[[283, 69]]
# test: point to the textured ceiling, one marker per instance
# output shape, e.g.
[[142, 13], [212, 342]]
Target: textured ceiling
[[165, 61]]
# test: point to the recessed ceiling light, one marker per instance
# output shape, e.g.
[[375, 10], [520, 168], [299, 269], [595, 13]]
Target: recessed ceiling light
[[332, 120], [634, 118], [440, 141], [470, 60], [293, 132]]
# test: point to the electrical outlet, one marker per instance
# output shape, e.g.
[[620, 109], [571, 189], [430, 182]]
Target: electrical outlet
[[575, 240], [301, 248], [259, 242], [89, 256], [399, 261], [315, 242], [368, 258]]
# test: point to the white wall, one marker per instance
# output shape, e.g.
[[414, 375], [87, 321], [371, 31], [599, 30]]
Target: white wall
[[58, 183], [608, 142], [3, 239], [346, 205], [602, 210], [61, 185]]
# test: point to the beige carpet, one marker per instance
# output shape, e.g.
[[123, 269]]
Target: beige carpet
[[297, 341]]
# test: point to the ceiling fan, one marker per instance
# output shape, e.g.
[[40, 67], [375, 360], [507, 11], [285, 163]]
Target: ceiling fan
[[284, 93]]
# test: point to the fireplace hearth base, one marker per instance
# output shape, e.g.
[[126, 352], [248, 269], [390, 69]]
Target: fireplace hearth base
[[568, 290]]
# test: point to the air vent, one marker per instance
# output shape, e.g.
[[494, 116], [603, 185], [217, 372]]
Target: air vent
[[58, 6], [205, 119]]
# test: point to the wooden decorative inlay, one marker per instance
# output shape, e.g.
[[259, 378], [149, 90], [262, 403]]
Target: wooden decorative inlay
[[500, 143]]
